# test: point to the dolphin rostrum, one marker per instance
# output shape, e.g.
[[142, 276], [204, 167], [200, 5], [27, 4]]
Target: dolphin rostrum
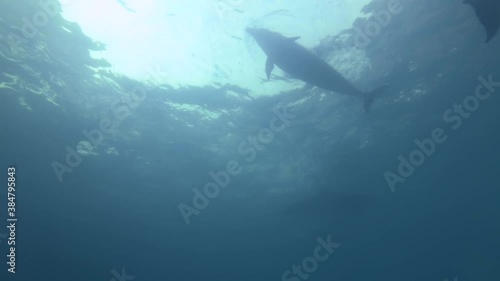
[[488, 13], [302, 64]]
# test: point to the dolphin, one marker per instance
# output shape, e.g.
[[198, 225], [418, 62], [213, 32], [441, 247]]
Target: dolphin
[[302, 64], [488, 13]]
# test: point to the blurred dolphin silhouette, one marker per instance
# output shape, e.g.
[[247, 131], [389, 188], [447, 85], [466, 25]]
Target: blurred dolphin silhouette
[[488, 13], [302, 64]]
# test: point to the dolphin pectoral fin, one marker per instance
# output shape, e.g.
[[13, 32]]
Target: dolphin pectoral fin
[[269, 67], [490, 35], [488, 14], [370, 97], [491, 25], [294, 38]]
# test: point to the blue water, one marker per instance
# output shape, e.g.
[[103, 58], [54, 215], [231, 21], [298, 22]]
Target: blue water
[[98, 204]]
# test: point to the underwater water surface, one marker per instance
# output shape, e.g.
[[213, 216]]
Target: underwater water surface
[[147, 142]]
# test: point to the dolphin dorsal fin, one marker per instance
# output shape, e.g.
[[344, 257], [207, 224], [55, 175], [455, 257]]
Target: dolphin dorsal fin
[[294, 38]]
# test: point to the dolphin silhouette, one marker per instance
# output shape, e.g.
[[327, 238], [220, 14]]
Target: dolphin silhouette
[[488, 13], [302, 64]]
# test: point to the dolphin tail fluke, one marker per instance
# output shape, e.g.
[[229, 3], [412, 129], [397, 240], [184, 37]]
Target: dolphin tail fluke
[[371, 96]]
